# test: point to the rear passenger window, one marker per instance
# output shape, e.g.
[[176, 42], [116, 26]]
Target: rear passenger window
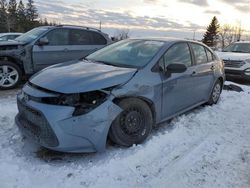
[[178, 53], [80, 37], [199, 53], [98, 39], [209, 56]]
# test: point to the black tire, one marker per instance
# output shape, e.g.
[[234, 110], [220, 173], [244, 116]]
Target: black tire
[[8, 81], [215, 94], [133, 124]]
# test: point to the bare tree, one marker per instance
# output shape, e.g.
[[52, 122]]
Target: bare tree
[[226, 35], [122, 34], [238, 32], [229, 34]]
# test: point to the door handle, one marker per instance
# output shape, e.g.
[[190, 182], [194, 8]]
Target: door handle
[[193, 73], [66, 49]]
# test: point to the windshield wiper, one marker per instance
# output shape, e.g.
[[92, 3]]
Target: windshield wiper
[[239, 51], [111, 64], [117, 65], [106, 63]]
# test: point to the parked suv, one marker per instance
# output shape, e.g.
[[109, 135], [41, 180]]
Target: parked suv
[[45, 46], [120, 92], [237, 60]]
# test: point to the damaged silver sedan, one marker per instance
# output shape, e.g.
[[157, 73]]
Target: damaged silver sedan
[[119, 92]]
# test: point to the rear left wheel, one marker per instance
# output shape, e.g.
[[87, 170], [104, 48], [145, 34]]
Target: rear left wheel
[[215, 95], [133, 124]]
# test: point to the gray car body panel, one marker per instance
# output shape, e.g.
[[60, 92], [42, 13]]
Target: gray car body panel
[[163, 93]]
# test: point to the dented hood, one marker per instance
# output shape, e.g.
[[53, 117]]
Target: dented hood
[[81, 76]]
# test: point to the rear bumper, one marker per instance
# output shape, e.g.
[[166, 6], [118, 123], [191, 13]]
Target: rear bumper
[[237, 74], [55, 128]]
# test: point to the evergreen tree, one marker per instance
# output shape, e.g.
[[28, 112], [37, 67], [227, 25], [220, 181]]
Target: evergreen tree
[[31, 11], [212, 33], [45, 22], [3, 16], [31, 16], [12, 15], [21, 17]]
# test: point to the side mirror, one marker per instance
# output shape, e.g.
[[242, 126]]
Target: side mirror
[[43, 41], [176, 68]]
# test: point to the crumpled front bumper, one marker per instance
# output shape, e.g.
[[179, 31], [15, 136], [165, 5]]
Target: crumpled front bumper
[[55, 128]]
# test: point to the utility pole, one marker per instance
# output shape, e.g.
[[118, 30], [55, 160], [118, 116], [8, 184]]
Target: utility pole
[[194, 35], [100, 26]]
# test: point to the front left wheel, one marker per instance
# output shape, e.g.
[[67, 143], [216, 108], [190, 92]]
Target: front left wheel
[[133, 124], [10, 75]]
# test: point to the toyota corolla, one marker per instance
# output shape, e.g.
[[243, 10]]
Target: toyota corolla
[[119, 92]]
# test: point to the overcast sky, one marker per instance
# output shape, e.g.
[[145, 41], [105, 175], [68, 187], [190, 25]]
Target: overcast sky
[[178, 18]]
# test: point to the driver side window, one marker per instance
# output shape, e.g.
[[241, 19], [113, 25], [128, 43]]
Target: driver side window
[[58, 37], [178, 54]]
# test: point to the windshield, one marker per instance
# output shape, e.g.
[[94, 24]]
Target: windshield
[[32, 34], [3, 38], [238, 47], [127, 53]]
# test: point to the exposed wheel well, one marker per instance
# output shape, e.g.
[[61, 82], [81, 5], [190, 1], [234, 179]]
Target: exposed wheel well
[[147, 101], [221, 80], [13, 60]]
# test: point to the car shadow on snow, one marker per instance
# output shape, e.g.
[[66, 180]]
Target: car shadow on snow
[[233, 87]]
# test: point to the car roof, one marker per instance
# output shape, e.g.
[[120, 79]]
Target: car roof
[[73, 27], [165, 39]]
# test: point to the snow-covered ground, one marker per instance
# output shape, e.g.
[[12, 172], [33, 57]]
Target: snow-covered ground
[[208, 147]]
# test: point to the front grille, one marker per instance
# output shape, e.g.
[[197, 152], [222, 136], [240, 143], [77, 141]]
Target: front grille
[[35, 122], [234, 63], [233, 72]]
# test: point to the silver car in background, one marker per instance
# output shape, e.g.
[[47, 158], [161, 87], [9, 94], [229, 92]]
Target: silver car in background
[[9, 36], [121, 91]]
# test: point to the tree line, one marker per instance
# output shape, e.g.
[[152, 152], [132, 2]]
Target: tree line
[[221, 36], [19, 17]]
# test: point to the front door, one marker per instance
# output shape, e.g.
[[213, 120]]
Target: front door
[[56, 51], [179, 89]]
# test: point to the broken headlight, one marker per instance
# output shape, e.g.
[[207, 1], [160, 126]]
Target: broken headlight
[[83, 102], [69, 100], [89, 101]]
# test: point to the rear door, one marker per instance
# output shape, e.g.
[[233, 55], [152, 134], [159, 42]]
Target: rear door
[[84, 42], [56, 51], [204, 70]]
